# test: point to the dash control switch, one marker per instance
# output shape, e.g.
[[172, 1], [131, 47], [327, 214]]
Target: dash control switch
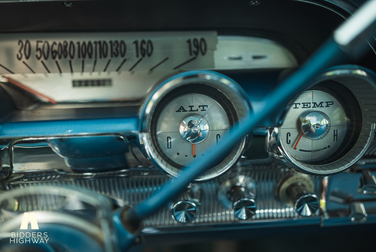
[[367, 184], [185, 209], [296, 191], [238, 194]]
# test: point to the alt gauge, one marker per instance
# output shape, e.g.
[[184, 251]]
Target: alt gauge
[[187, 115], [326, 129]]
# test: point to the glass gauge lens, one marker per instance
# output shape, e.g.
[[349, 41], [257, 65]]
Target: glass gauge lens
[[315, 127], [188, 121], [185, 133]]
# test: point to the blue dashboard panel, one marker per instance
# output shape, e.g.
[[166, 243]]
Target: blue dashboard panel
[[69, 127]]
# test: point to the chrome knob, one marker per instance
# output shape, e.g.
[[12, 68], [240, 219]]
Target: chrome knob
[[306, 203], [295, 190], [194, 129], [315, 125], [238, 194], [358, 212], [244, 207], [367, 183], [184, 211]]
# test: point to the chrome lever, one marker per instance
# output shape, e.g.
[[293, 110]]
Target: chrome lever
[[358, 211], [367, 183]]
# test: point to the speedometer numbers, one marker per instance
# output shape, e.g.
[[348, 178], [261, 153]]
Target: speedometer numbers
[[188, 115], [106, 52]]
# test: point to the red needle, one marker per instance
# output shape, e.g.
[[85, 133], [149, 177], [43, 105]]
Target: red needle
[[32, 91], [296, 144], [193, 150]]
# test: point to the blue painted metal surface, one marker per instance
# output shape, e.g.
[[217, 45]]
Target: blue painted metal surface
[[328, 55], [94, 153], [125, 238], [68, 127]]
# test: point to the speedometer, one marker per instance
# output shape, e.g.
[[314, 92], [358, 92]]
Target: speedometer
[[66, 68], [189, 114]]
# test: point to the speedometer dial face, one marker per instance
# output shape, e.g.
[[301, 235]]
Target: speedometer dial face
[[66, 68], [315, 127]]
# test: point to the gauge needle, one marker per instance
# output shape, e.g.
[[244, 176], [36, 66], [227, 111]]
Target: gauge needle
[[296, 144], [32, 91], [193, 150]]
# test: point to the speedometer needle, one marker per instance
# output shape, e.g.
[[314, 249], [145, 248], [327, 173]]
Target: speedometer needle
[[193, 150], [296, 144], [30, 90]]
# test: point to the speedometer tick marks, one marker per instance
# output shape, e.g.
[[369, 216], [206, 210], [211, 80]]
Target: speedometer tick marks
[[151, 69], [83, 66], [48, 71], [105, 68], [70, 64], [6, 69], [185, 62], [58, 66], [121, 64], [26, 66], [135, 65], [95, 63]]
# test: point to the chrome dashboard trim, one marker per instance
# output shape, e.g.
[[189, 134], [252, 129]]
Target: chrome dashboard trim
[[125, 187]]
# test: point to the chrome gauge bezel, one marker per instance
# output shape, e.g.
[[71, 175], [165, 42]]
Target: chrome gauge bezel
[[227, 87], [362, 84]]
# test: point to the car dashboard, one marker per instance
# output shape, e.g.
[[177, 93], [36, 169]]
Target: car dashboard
[[103, 103]]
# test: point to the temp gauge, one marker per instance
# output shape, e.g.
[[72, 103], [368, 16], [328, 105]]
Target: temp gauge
[[315, 127], [326, 129], [189, 114]]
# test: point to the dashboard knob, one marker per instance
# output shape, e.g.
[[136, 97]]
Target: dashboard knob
[[358, 212], [244, 207], [185, 208], [184, 211], [295, 190], [306, 203], [367, 183], [238, 194]]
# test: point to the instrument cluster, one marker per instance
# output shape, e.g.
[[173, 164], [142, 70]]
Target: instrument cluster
[[170, 117], [125, 121], [111, 110]]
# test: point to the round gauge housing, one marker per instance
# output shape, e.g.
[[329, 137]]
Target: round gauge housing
[[315, 127], [327, 129], [188, 114]]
